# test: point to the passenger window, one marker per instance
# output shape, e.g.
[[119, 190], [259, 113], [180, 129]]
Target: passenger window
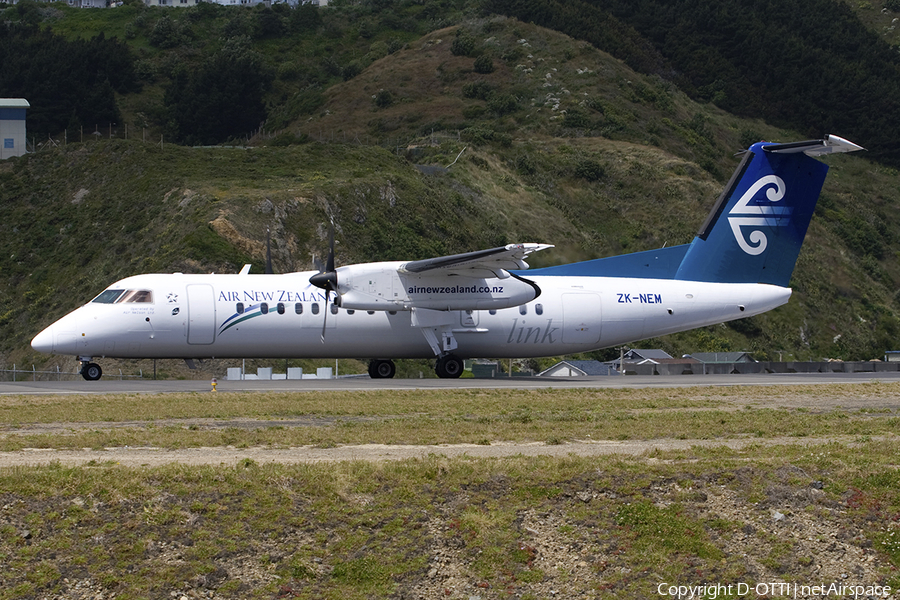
[[298, 308], [523, 310], [350, 311], [280, 308], [370, 312], [108, 296], [240, 308], [264, 308], [538, 309], [315, 308], [492, 311], [334, 309]]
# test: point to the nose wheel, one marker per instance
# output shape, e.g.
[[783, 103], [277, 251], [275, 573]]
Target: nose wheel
[[449, 366], [91, 371], [382, 369]]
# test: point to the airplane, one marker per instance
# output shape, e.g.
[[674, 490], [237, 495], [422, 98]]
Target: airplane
[[476, 304]]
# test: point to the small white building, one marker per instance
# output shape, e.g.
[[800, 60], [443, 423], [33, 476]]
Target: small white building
[[12, 127], [89, 3], [178, 3]]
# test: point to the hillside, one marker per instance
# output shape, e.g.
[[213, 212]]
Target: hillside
[[560, 143]]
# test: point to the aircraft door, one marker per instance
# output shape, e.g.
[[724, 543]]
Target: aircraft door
[[201, 314], [581, 318]]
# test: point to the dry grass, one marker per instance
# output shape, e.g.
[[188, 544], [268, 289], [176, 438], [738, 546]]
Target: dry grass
[[443, 417], [607, 526]]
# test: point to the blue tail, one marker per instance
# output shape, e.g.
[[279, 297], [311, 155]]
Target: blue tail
[[754, 233]]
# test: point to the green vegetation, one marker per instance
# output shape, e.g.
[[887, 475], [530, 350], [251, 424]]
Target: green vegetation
[[557, 142]]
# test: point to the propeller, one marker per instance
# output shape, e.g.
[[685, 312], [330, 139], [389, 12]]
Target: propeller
[[326, 278], [269, 270]]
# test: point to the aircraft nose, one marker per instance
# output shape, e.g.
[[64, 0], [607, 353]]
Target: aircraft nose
[[43, 342]]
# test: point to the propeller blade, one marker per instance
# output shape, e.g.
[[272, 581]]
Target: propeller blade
[[329, 265], [325, 316], [326, 279], [269, 270]]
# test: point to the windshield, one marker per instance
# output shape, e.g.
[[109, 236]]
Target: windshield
[[108, 297], [127, 296]]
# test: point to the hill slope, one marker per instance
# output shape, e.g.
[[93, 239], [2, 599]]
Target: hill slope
[[563, 144]]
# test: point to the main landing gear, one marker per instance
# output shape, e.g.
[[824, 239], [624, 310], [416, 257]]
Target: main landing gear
[[381, 369], [449, 366], [91, 371]]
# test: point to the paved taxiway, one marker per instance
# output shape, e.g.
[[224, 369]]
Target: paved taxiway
[[149, 386]]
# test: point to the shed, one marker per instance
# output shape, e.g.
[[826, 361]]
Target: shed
[[12, 127], [651, 354], [578, 368], [722, 357]]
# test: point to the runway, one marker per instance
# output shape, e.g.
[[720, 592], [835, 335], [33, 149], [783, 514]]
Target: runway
[[149, 386]]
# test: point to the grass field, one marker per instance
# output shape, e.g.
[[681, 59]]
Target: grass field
[[518, 527]]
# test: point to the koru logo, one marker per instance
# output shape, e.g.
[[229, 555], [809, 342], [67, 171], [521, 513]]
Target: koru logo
[[757, 215]]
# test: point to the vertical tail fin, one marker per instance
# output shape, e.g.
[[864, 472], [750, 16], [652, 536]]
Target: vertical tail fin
[[755, 230]]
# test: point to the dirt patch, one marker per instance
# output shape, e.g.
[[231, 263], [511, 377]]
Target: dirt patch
[[152, 456]]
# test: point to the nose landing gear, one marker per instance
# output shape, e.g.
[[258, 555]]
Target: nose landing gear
[[91, 371], [381, 369]]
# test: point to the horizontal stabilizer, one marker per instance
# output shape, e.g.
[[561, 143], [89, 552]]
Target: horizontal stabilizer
[[832, 144]]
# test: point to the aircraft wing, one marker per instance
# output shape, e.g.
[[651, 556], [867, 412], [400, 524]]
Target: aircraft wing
[[478, 263]]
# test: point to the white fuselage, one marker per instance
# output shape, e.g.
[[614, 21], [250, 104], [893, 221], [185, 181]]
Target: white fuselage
[[283, 316]]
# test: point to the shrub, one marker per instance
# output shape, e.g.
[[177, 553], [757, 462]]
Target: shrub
[[576, 119], [589, 169], [473, 112], [502, 104], [484, 64], [383, 99], [463, 45], [477, 89], [525, 165], [351, 71]]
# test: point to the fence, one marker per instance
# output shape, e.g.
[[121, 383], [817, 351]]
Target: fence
[[399, 144], [16, 374]]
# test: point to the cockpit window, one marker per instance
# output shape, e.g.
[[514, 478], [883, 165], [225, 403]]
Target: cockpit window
[[108, 296], [136, 296]]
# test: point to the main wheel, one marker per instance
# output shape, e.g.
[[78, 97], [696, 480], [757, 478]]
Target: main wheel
[[91, 371], [381, 369], [449, 366]]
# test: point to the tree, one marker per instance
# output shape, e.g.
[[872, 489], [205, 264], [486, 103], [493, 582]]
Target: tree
[[222, 99], [67, 83]]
